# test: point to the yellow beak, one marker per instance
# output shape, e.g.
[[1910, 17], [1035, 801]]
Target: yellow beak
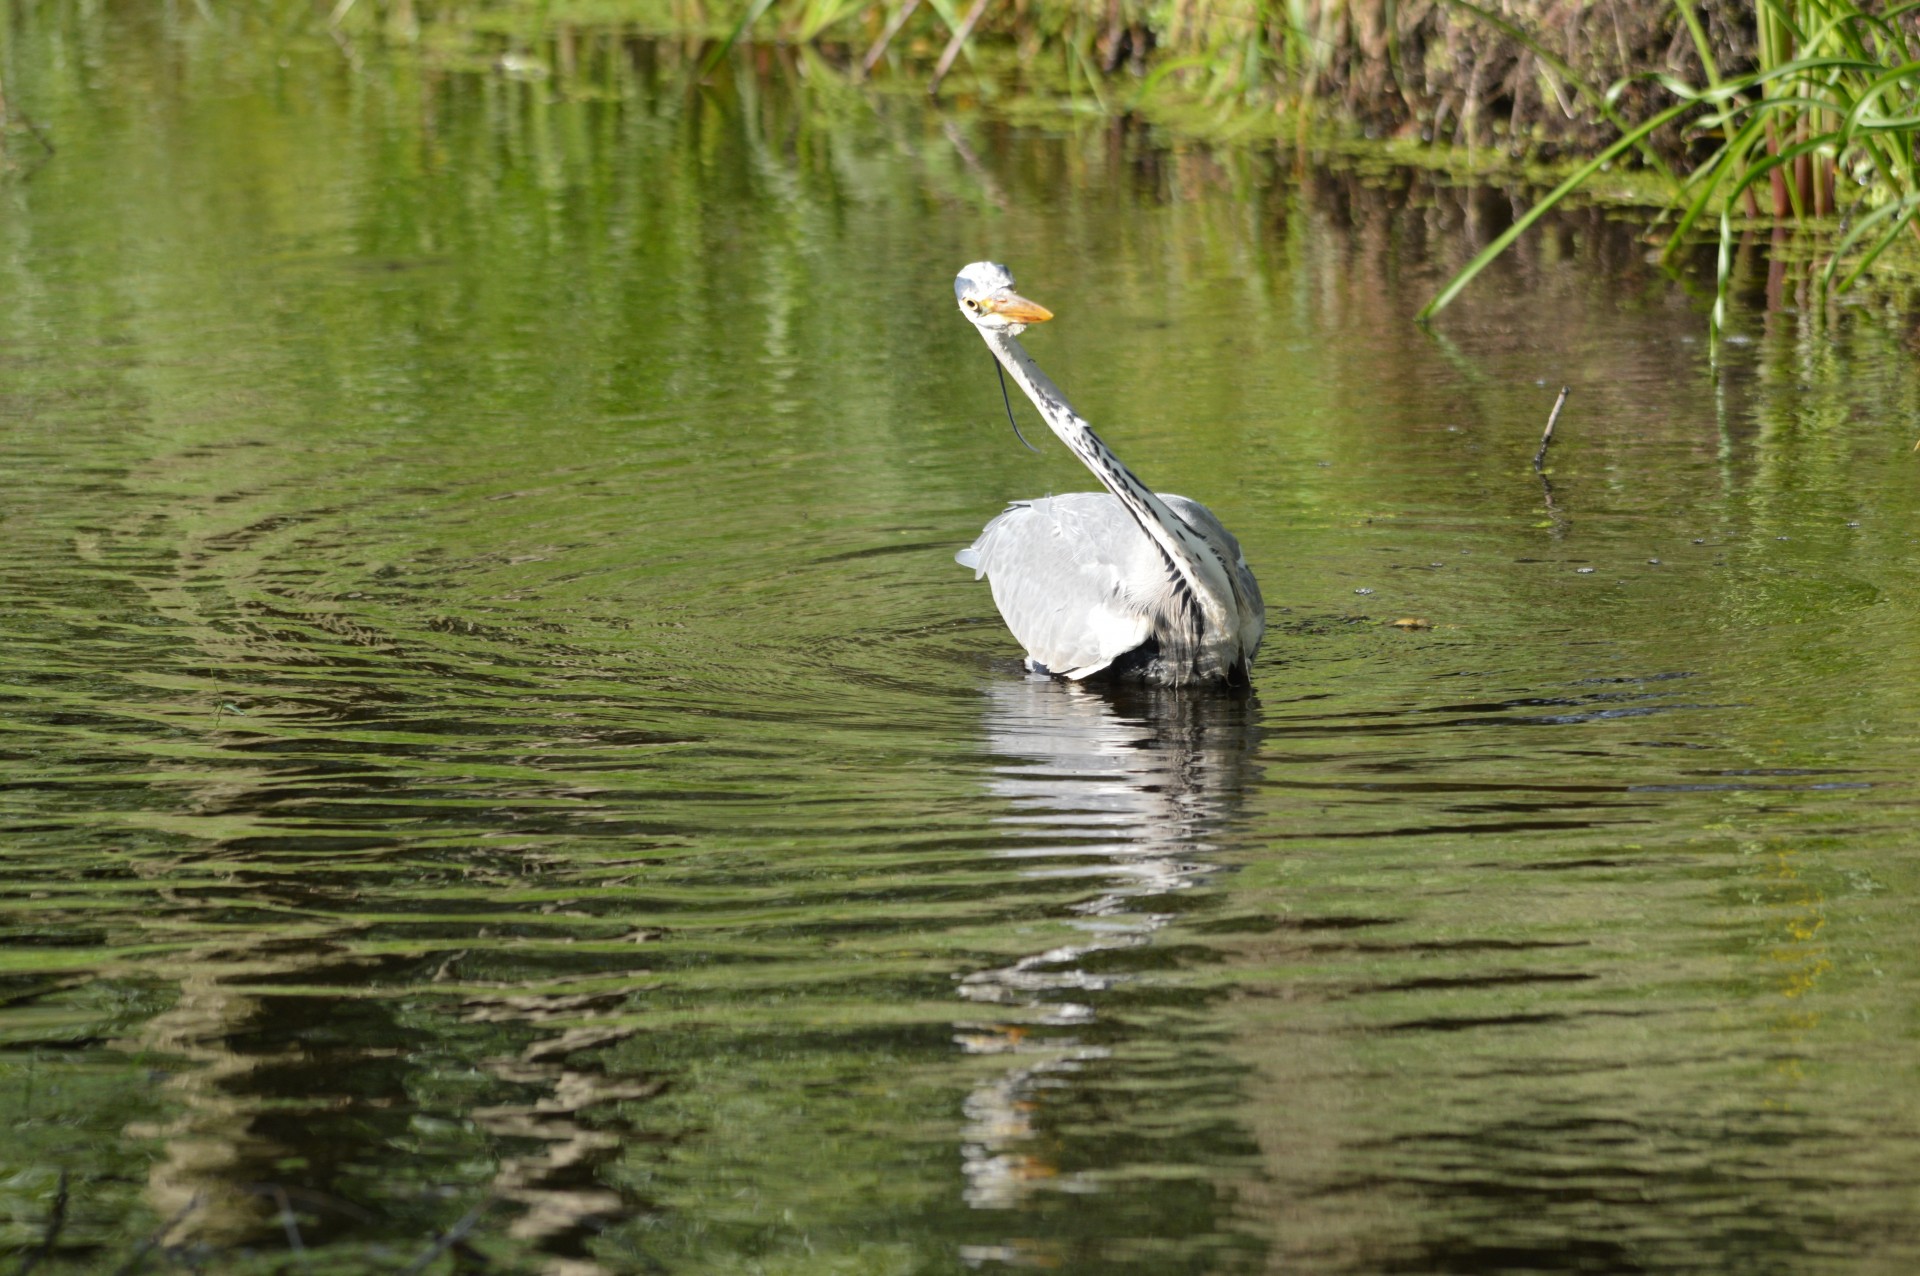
[[1011, 305]]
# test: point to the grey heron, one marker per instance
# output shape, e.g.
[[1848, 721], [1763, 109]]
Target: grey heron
[[1122, 583]]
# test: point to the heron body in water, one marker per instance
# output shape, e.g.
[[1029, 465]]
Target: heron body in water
[[1123, 583]]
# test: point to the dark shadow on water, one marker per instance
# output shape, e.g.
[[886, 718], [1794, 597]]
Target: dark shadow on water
[[330, 1118]]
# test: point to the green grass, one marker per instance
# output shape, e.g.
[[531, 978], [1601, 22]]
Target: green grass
[[1820, 134]]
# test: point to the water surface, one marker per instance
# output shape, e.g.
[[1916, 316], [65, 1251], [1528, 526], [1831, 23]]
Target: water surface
[[500, 765]]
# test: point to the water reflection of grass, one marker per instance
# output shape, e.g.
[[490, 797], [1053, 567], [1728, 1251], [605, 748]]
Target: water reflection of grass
[[1813, 124]]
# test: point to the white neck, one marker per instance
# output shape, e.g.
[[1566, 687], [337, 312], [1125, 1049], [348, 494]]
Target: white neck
[[1192, 559]]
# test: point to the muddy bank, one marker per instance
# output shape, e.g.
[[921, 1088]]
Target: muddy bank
[[1441, 72]]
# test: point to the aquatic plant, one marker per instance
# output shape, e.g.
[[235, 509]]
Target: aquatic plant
[[1829, 112]]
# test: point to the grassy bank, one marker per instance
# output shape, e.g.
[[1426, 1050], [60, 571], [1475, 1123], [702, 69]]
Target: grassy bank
[[1521, 75]]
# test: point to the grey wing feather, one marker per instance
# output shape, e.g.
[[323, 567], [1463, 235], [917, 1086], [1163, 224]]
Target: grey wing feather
[[1253, 608], [1067, 575]]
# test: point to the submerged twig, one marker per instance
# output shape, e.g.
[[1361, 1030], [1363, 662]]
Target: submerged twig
[[1554, 515], [1546, 435], [1555, 519]]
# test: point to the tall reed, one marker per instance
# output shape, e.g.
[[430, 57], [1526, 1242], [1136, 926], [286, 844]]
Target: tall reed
[[1824, 125]]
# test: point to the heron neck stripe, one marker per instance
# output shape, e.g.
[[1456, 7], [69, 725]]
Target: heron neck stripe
[[1179, 545]]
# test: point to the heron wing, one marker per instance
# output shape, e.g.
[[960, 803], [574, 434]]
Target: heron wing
[[1250, 607], [1071, 575]]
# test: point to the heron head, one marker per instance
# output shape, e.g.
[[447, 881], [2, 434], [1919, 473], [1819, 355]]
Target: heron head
[[985, 292]]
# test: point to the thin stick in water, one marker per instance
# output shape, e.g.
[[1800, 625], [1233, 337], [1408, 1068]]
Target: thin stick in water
[[879, 49], [959, 41], [1546, 436]]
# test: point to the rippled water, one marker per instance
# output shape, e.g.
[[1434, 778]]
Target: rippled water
[[501, 768]]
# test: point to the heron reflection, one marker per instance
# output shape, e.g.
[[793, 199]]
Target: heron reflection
[[1125, 787]]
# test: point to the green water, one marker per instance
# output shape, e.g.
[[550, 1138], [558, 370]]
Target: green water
[[498, 755]]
